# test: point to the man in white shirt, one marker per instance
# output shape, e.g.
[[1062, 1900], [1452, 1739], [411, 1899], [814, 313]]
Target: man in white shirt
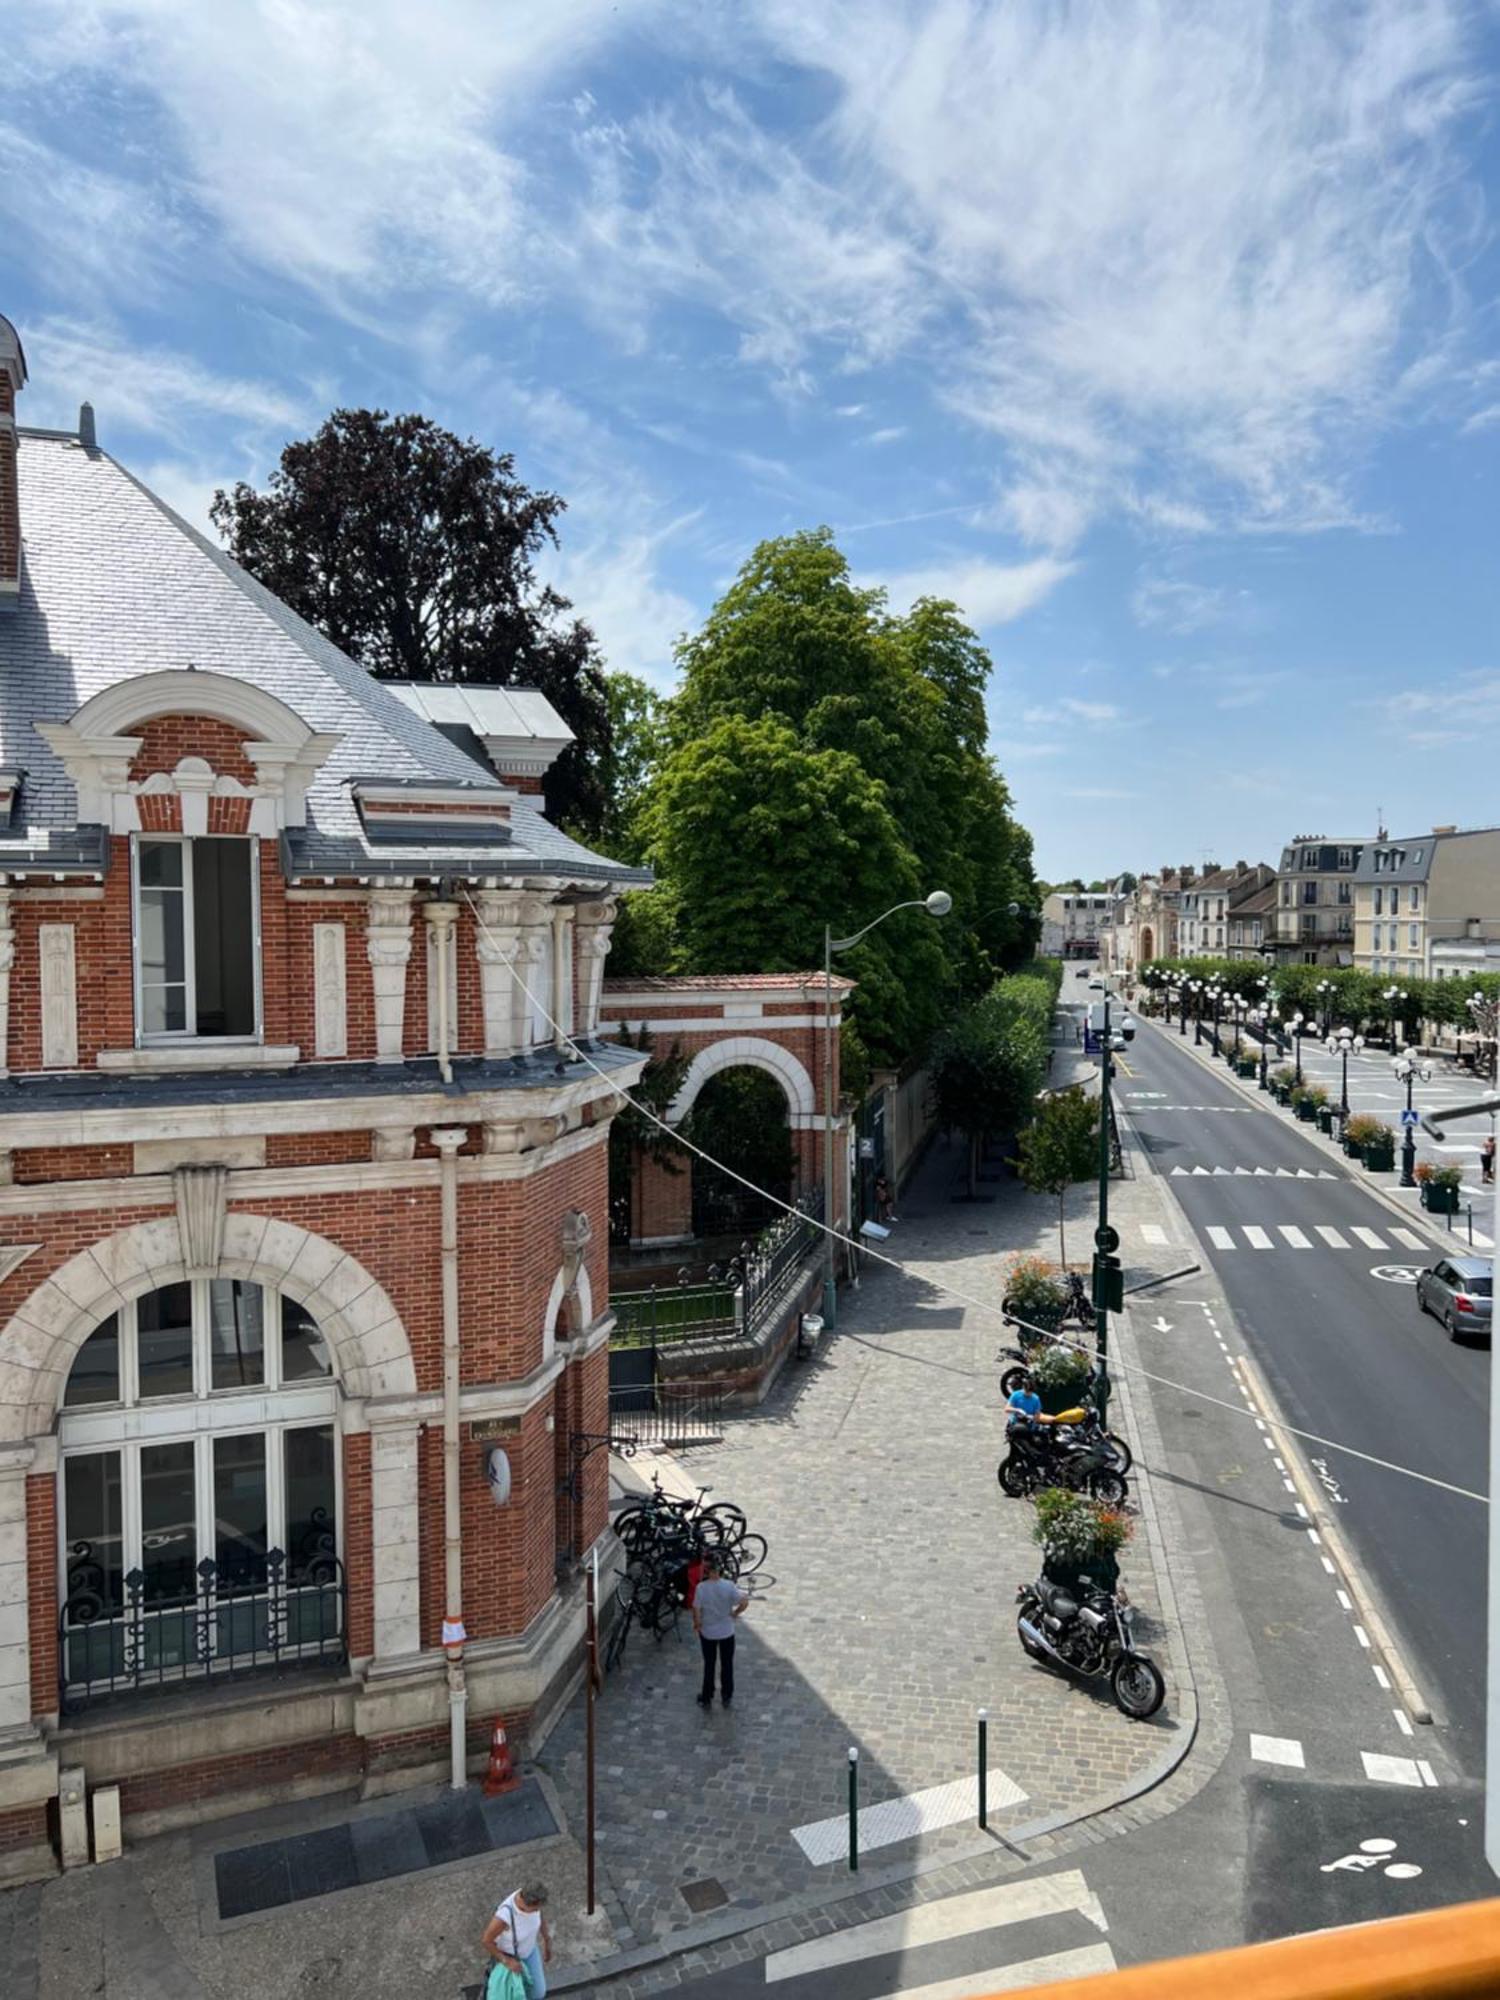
[[517, 1936], [717, 1603]]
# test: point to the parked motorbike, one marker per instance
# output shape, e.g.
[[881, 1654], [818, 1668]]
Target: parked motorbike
[[1061, 1455], [1078, 1306], [1090, 1635]]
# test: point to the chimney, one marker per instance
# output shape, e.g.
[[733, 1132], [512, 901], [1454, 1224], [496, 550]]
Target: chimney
[[86, 435], [12, 379]]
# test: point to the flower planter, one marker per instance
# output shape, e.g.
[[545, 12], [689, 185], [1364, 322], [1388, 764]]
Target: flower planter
[[1440, 1200], [1380, 1159], [1326, 1116], [1306, 1111], [1247, 1066]]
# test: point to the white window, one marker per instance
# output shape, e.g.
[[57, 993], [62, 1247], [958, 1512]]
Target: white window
[[1346, 858], [1379, 893], [1415, 899], [199, 1486], [1413, 937], [197, 947]]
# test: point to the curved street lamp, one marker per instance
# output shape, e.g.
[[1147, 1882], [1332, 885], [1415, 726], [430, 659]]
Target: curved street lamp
[[1406, 1069], [938, 904]]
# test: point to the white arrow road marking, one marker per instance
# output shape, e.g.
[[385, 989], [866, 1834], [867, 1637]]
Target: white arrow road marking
[[1161, 1324], [934, 1923]]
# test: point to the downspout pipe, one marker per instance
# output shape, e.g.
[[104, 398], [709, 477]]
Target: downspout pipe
[[448, 1139], [441, 917]]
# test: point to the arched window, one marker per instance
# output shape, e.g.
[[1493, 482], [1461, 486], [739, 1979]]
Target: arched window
[[199, 1492]]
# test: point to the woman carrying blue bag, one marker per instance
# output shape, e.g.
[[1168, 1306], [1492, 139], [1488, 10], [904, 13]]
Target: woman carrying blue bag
[[517, 1939]]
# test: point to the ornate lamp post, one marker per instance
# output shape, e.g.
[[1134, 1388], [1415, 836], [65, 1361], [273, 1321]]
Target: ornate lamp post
[[1216, 987], [1325, 990], [1265, 1020], [1484, 1010], [1344, 1044], [1299, 1027], [1239, 1014], [1395, 999], [1406, 1069], [1195, 987]]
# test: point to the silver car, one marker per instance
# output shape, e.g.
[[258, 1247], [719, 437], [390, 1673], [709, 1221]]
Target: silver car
[[1458, 1291]]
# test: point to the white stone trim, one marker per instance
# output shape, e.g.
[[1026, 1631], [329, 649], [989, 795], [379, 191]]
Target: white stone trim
[[7, 960], [745, 1051], [595, 930], [162, 1058], [674, 1027], [810, 987], [388, 947], [395, 1539], [555, 1303], [15, 1638], [39, 1342], [330, 990], [58, 978]]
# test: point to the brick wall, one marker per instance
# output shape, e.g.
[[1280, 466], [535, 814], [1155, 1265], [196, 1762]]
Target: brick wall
[[42, 1604], [71, 1163], [213, 1777], [167, 739], [316, 1149], [23, 1826], [359, 1569]]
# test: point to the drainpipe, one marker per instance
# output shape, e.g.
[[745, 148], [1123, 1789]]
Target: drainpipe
[[448, 1139], [440, 919]]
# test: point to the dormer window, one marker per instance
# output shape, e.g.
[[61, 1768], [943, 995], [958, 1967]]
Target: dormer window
[[196, 921]]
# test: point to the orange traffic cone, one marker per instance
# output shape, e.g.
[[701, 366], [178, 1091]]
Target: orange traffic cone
[[501, 1776]]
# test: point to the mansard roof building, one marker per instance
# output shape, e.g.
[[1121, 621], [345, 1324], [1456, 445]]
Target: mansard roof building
[[302, 1187]]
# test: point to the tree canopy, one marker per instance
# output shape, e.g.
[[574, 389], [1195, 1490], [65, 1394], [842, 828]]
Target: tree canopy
[[414, 551], [1059, 1148], [823, 760]]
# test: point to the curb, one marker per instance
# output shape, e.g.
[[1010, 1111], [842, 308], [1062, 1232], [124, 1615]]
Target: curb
[[1441, 1239]]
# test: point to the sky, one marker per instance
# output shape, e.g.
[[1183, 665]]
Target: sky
[[1161, 337]]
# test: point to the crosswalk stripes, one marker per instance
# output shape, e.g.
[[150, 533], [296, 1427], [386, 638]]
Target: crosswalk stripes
[[1295, 1236], [957, 1947], [1254, 1173], [1379, 1768]]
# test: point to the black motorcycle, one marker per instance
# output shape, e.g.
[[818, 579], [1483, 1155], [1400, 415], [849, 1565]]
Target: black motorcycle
[[1058, 1455], [1090, 1635], [1077, 1306]]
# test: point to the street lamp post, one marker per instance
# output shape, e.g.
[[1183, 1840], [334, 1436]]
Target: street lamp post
[[1265, 1020], [1395, 998], [1195, 987], [1108, 1284], [938, 904], [1297, 1025], [1182, 1004], [1406, 1069], [1239, 1014], [1325, 989], [1345, 1043]]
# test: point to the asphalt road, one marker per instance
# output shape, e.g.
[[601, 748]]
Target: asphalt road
[[1346, 1352]]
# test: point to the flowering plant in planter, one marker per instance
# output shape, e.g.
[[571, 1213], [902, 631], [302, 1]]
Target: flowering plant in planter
[[1062, 1376], [1035, 1291], [1362, 1130], [1424, 1171], [1075, 1532]]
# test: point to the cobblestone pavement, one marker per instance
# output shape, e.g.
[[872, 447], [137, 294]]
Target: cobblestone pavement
[[871, 1471]]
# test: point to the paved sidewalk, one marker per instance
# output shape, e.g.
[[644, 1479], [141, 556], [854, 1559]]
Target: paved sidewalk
[[871, 1473]]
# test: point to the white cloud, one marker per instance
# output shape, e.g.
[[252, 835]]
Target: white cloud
[[1169, 605], [1098, 714], [148, 389], [987, 593], [1450, 714], [888, 435], [614, 586]]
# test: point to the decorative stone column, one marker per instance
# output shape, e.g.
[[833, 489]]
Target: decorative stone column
[[595, 923], [395, 1539], [562, 972], [534, 964], [389, 948], [497, 939], [15, 1633]]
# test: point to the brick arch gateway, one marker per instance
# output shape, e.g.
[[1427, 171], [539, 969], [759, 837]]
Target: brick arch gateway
[[776, 1022]]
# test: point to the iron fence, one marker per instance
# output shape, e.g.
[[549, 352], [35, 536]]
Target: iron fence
[[776, 1254], [658, 1315], [218, 1622], [666, 1415]]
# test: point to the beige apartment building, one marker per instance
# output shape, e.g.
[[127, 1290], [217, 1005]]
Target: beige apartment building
[[1314, 915], [1426, 905]]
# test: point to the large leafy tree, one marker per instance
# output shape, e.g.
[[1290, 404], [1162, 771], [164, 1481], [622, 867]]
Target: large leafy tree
[[415, 552], [797, 648], [986, 1070], [1059, 1149]]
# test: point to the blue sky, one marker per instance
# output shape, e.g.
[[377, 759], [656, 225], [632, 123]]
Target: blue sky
[[1162, 337]]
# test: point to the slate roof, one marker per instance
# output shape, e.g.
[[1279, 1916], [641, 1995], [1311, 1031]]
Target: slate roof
[[115, 585]]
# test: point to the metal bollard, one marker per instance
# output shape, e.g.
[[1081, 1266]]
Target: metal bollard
[[853, 1810], [984, 1768]]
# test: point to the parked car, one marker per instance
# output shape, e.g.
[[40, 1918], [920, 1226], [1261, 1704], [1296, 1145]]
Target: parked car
[[1082, 972], [1459, 1292]]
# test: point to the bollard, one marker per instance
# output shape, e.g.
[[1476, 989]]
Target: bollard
[[984, 1768], [853, 1810]]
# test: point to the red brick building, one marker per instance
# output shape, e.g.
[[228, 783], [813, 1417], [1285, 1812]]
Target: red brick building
[[296, 1183]]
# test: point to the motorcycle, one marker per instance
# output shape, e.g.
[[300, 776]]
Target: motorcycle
[[1059, 1455], [1091, 1638], [1078, 1306]]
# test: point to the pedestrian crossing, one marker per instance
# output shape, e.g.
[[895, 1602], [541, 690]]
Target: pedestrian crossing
[[1002, 1939], [1379, 1768], [1253, 1173], [1294, 1236]]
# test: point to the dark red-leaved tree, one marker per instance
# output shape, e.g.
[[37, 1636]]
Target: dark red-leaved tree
[[414, 551]]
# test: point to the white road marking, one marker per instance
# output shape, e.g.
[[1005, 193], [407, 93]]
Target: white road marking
[[933, 1923], [1410, 1238], [1256, 1237], [903, 1818], [1329, 1567], [1390, 1770], [1429, 1777], [1278, 1750], [1303, 1511], [1370, 1239], [1220, 1238], [1381, 1675], [1058, 1965], [1403, 1721], [1153, 1232], [1279, 1463], [1331, 1236], [1345, 1603], [1363, 1636], [1293, 1235], [1288, 1485]]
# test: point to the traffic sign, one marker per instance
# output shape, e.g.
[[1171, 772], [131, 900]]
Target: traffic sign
[[1411, 1118], [1107, 1239]]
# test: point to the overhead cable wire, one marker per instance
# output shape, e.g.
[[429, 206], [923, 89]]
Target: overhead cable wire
[[986, 1306]]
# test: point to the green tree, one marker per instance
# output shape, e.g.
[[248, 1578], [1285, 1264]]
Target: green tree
[[636, 742], [986, 1070], [414, 551], [1060, 1148]]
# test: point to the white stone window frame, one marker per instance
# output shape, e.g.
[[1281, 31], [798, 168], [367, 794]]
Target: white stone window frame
[[177, 1037]]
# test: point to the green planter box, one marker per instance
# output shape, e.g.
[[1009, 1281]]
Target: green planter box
[[1306, 1111], [1247, 1065], [1439, 1200], [1380, 1159]]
